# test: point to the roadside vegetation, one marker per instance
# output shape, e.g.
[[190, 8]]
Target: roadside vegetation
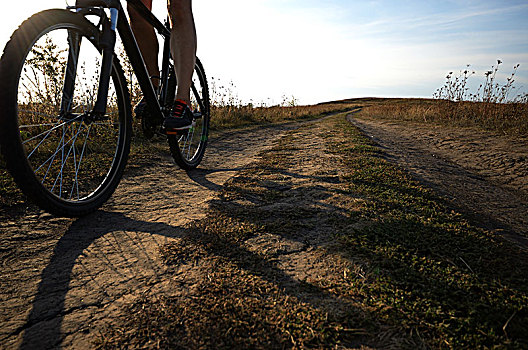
[[225, 117], [495, 106], [229, 111]]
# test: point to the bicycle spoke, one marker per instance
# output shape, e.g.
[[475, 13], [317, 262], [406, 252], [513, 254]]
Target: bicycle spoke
[[35, 125], [190, 144], [51, 159], [40, 143], [186, 140], [53, 155], [74, 163], [82, 155], [49, 166], [64, 160], [52, 129], [105, 124], [76, 183]]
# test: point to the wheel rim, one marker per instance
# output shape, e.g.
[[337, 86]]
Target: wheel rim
[[71, 155]]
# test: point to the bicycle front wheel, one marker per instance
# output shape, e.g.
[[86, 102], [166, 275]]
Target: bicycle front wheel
[[188, 148], [66, 161]]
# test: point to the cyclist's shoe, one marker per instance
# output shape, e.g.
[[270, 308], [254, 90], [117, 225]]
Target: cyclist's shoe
[[180, 119]]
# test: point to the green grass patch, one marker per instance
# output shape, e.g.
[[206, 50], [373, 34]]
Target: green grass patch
[[431, 272]]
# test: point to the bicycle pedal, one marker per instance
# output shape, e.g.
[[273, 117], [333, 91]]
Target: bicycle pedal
[[174, 132]]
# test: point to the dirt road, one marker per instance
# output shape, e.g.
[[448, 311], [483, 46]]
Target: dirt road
[[65, 281], [62, 278], [482, 174]]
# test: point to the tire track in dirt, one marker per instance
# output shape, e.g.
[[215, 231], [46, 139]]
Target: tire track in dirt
[[62, 279], [480, 173]]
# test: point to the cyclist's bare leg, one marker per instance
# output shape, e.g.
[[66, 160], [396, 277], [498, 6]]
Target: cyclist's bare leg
[[147, 41], [183, 45]]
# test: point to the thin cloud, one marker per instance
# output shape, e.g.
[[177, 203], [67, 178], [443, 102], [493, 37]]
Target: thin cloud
[[444, 21]]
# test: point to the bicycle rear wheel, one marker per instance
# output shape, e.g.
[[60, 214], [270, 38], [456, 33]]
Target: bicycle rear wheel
[[66, 161], [188, 147]]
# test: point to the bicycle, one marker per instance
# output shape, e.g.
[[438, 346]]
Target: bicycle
[[65, 111]]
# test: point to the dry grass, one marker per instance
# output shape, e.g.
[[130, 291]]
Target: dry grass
[[493, 106], [233, 116], [229, 111], [509, 118]]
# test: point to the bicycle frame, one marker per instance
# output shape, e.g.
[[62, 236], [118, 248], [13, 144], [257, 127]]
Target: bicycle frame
[[118, 21]]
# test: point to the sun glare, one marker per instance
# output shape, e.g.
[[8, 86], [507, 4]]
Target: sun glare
[[332, 50]]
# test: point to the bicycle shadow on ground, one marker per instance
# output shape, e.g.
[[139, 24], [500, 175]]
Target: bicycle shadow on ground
[[44, 324], [202, 176], [72, 291]]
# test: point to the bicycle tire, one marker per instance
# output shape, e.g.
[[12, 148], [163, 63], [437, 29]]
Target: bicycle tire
[[188, 148], [86, 194]]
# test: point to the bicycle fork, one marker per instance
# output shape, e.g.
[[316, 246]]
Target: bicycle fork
[[107, 42]]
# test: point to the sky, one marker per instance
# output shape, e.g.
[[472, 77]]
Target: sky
[[323, 50]]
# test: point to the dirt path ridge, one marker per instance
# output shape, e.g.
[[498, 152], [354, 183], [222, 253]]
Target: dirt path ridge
[[483, 174]]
